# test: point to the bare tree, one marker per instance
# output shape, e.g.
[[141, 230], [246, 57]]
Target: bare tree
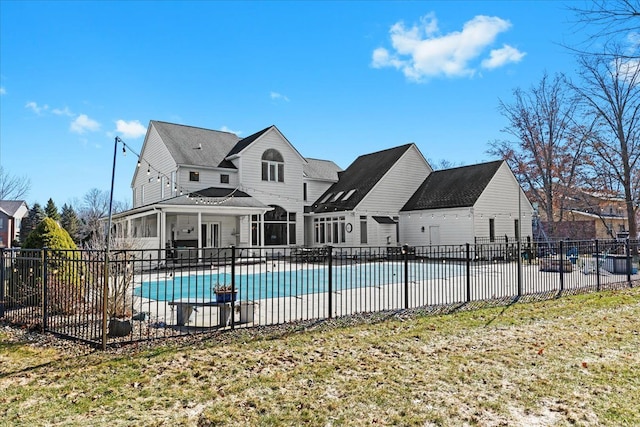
[[93, 210], [607, 21], [547, 154], [13, 187], [443, 164], [610, 92]]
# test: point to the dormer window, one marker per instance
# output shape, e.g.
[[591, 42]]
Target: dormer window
[[272, 166], [194, 176]]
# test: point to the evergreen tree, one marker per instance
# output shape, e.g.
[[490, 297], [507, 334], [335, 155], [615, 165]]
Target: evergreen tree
[[52, 210], [69, 221], [31, 221], [49, 234]]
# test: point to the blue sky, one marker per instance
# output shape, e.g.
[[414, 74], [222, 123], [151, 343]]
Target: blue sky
[[339, 79]]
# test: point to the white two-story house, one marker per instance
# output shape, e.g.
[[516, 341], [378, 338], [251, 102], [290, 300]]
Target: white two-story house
[[198, 188]]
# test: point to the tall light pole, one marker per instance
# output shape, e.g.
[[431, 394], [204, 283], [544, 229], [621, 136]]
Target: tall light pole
[[105, 290]]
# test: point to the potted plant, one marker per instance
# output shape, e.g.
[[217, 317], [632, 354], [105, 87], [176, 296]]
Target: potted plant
[[225, 293]]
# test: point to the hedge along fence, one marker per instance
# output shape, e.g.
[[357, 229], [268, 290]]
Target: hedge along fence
[[141, 295]]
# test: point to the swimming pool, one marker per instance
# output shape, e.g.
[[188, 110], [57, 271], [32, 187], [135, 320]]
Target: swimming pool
[[292, 283]]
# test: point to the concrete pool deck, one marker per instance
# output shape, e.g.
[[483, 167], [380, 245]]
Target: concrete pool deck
[[487, 281]]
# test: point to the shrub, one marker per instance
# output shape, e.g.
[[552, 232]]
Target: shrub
[[64, 269]]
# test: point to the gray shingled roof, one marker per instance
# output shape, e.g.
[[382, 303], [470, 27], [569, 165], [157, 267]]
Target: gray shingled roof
[[196, 146], [453, 188], [245, 142], [362, 175], [11, 206], [321, 169]]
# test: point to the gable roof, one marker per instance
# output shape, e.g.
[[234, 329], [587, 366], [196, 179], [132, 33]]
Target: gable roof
[[195, 146], [321, 169], [10, 207], [245, 142], [453, 188], [358, 179]]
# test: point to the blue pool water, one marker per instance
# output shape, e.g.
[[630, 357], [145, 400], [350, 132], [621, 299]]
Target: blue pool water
[[273, 284]]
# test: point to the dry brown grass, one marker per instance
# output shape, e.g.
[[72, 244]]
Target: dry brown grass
[[570, 361]]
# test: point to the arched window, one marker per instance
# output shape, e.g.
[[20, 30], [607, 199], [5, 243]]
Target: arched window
[[272, 166]]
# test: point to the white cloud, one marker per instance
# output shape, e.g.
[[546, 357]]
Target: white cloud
[[64, 112], [499, 57], [83, 123], [33, 106], [629, 71], [3, 91], [421, 51], [226, 129], [130, 129], [276, 95]]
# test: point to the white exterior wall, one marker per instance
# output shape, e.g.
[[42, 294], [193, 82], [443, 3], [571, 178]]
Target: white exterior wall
[[455, 227], [208, 178], [500, 201], [315, 189], [391, 193], [161, 161], [287, 194], [458, 226]]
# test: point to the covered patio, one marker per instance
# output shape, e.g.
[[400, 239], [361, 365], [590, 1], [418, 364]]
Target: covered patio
[[194, 226]]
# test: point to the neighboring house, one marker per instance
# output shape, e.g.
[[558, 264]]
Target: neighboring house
[[200, 188], [361, 209], [588, 215], [11, 214], [602, 226], [479, 203]]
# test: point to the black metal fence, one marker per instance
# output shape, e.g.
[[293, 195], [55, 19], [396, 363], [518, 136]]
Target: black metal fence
[[135, 295]]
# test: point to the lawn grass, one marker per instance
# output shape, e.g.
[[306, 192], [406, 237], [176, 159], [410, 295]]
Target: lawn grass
[[568, 361]]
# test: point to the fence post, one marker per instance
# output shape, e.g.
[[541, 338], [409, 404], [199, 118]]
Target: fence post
[[2, 282], [597, 266], [330, 282], [105, 301], [233, 285], [561, 258], [519, 255], [45, 272], [468, 262], [405, 256], [628, 253]]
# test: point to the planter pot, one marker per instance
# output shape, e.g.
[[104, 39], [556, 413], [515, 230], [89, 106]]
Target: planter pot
[[119, 327], [226, 296], [247, 310]]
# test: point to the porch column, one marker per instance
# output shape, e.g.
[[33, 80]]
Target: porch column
[[162, 229], [199, 231]]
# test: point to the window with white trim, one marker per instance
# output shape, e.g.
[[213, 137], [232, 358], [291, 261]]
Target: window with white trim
[[329, 230]]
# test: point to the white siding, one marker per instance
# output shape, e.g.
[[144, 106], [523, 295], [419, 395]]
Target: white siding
[[397, 186], [155, 155], [392, 192], [500, 201], [462, 225], [208, 178], [315, 189], [455, 224], [287, 194]]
